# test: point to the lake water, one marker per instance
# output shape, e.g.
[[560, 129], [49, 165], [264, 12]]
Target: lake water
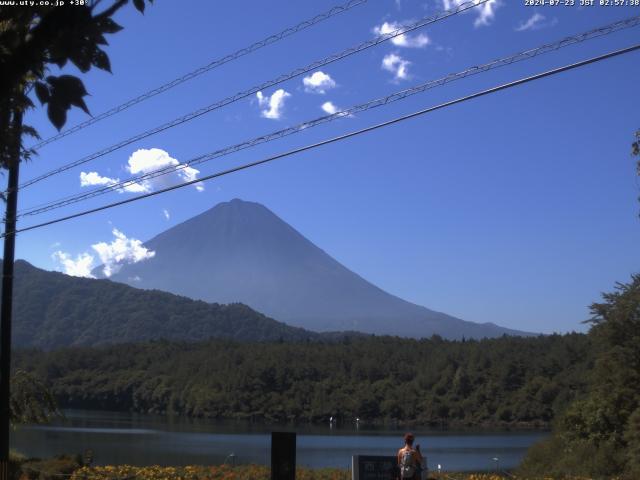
[[119, 438]]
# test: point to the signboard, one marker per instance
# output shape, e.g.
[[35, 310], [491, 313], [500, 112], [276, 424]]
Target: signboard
[[370, 467], [283, 456]]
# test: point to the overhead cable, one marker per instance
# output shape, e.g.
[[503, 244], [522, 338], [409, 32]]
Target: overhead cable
[[339, 138], [255, 89], [520, 56], [206, 68]]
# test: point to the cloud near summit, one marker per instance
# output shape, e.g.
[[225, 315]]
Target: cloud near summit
[[113, 255], [120, 251]]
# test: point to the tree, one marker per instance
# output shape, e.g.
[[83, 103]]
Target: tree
[[31, 400], [33, 38], [603, 419], [632, 437], [599, 434]]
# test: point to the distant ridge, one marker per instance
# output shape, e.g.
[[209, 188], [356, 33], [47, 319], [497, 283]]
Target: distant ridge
[[240, 251], [54, 310]]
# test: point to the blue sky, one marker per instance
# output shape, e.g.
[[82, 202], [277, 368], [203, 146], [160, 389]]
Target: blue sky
[[519, 208]]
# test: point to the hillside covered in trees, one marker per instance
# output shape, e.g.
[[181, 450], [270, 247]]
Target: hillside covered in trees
[[506, 381], [53, 310], [598, 435]]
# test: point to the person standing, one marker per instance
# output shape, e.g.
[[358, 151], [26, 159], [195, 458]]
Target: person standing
[[410, 459]]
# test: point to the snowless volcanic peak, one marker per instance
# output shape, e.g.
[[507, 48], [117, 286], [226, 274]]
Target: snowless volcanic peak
[[240, 251]]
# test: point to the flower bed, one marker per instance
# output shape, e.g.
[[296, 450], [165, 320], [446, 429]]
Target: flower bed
[[247, 472], [220, 472]]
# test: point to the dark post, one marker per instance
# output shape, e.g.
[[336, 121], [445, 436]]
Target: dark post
[[283, 456], [7, 296]]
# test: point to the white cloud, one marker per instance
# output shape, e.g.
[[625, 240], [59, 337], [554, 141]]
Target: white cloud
[[329, 108], [397, 65], [114, 255], [134, 187], [536, 22], [275, 103], [88, 179], [144, 161], [531, 24], [166, 214], [141, 162], [318, 82], [405, 40], [120, 251], [80, 267], [486, 11]]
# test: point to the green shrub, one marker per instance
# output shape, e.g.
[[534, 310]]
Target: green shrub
[[50, 469]]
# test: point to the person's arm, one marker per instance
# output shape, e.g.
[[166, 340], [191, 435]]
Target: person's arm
[[399, 460], [419, 457]]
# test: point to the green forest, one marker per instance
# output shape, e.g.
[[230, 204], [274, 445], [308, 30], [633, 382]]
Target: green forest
[[586, 386], [505, 381], [598, 435]]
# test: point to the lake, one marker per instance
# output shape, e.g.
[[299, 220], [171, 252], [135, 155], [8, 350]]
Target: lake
[[137, 439]]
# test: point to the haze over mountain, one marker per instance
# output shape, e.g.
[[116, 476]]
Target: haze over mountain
[[54, 310], [240, 251]]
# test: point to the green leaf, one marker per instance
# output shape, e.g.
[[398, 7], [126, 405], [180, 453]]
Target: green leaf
[[100, 40], [101, 60], [26, 103], [30, 131], [66, 90], [81, 59], [79, 102], [139, 4], [28, 153], [57, 114], [42, 92], [59, 61], [67, 85], [106, 25]]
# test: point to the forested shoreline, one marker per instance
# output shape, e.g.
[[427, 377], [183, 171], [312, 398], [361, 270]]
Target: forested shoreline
[[509, 381]]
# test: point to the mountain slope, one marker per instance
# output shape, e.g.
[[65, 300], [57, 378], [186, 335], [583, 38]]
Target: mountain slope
[[242, 252], [53, 310]]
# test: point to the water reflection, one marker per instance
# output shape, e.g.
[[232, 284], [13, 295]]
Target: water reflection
[[117, 438]]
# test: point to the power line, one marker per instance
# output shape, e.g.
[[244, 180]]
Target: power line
[[206, 68], [594, 33], [345, 136], [246, 93], [524, 55]]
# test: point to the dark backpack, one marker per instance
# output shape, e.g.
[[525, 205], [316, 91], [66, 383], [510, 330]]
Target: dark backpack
[[407, 464]]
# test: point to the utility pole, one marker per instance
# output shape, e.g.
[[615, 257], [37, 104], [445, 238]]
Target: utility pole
[[7, 291]]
